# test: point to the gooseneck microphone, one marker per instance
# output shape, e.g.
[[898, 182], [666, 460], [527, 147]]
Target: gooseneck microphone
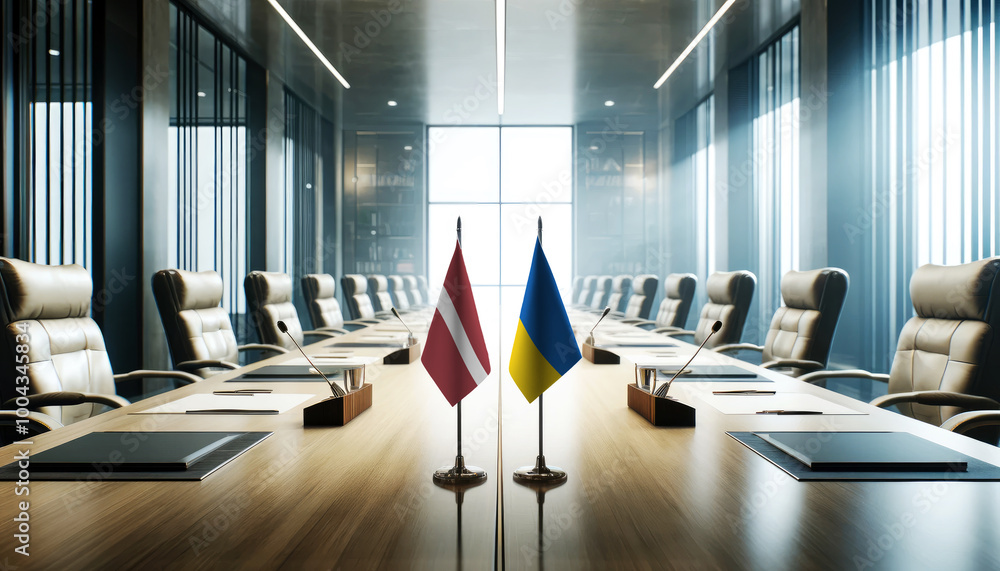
[[337, 391], [662, 391], [411, 340], [590, 336]]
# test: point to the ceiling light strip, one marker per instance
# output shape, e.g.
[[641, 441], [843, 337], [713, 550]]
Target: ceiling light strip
[[694, 43], [295, 27], [501, 33]]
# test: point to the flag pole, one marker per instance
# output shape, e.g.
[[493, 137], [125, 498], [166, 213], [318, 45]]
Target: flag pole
[[459, 473], [540, 472]]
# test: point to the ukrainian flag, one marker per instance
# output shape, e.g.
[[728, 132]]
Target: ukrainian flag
[[544, 346]]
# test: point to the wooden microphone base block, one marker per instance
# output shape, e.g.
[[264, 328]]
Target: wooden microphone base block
[[599, 356], [403, 356], [338, 411], [660, 411]]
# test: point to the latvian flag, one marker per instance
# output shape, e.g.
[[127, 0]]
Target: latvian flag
[[455, 354]]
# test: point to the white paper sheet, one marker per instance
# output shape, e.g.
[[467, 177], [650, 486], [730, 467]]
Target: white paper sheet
[[281, 402], [321, 361], [752, 404]]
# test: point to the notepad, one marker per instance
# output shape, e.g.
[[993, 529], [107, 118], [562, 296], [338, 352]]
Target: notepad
[[713, 372], [126, 451], [866, 451], [299, 370]]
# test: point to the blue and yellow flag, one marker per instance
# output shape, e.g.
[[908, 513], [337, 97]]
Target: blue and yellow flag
[[544, 346]]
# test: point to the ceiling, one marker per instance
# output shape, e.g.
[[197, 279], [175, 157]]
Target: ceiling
[[437, 58]]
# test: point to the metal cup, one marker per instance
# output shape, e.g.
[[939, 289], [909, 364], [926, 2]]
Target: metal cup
[[645, 377]]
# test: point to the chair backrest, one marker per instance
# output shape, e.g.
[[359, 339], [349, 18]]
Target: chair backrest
[[413, 291], [729, 298], [620, 286], [424, 291], [587, 290], [641, 301], [803, 328], [320, 291], [378, 290], [196, 325], [397, 291], [46, 309], [602, 290], [359, 304], [953, 341], [577, 288], [269, 299], [678, 293]]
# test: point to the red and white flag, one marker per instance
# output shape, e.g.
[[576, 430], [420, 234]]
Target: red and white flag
[[455, 354]]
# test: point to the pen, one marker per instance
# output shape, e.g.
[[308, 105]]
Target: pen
[[789, 412], [743, 392], [229, 411]]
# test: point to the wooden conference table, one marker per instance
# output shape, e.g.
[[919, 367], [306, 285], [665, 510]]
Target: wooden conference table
[[637, 497]]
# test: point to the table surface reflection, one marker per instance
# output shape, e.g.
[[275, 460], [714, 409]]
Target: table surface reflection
[[637, 496]]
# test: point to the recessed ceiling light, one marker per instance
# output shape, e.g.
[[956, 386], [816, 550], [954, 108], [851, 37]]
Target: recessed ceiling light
[[609, 103], [593, 147], [53, 52], [305, 39], [408, 148], [391, 103], [202, 94], [694, 43]]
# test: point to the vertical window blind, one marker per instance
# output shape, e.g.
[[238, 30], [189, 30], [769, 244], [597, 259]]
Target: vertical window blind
[[776, 170], [934, 106], [207, 147], [54, 129], [694, 171]]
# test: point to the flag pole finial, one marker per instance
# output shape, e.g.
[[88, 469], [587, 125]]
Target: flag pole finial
[[458, 230], [539, 229]]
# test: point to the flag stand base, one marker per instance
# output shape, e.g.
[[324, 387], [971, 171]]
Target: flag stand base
[[539, 473], [459, 473]]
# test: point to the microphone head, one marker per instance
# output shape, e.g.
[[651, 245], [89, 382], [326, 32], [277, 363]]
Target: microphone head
[[716, 326], [396, 313], [282, 327], [607, 310]]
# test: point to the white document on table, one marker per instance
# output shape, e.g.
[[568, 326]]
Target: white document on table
[[327, 361], [254, 403], [754, 404]]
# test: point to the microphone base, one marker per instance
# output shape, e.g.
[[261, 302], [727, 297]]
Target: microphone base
[[338, 411], [660, 411], [599, 356], [403, 356]]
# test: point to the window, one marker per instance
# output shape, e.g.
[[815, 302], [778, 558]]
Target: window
[[500, 180], [54, 78], [207, 144], [934, 143], [694, 172], [776, 173]]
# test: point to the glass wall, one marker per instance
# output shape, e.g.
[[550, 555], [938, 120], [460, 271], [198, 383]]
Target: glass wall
[[500, 180], [207, 150]]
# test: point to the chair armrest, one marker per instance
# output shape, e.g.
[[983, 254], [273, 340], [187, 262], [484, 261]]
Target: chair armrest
[[39, 421], [67, 398], [846, 374], [615, 313], [938, 398], [803, 364], [967, 421], [184, 378], [365, 321], [636, 321], [261, 347], [738, 347], [205, 364], [677, 332]]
